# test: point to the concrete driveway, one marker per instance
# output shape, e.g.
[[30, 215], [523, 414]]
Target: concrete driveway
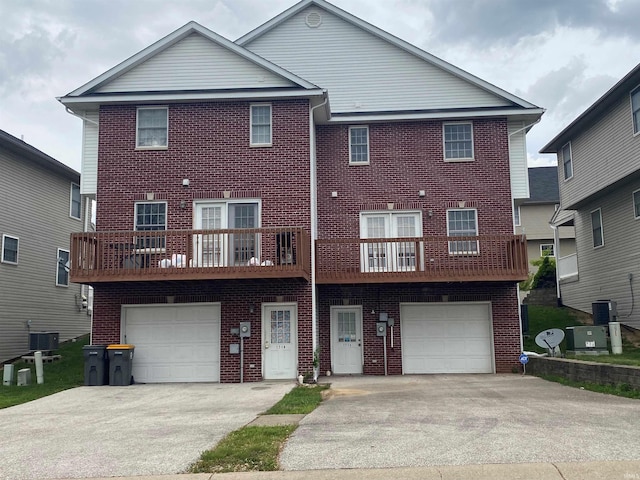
[[125, 431], [377, 422]]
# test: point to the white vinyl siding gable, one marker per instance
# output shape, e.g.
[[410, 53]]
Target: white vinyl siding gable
[[90, 132], [152, 128], [597, 230], [359, 145], [10, 248], [261, 129], [635, 110], [391, 79], [458, 141], [195, 63]]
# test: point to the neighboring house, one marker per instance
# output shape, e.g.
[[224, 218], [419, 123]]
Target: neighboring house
[[41, 207], [283, 181], [532, 218], [599, 176]]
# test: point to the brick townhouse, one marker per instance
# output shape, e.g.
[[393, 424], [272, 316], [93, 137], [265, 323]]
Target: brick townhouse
[[275, 200]]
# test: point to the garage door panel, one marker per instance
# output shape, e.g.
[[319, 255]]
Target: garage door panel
[[177, 343], [446, 338]]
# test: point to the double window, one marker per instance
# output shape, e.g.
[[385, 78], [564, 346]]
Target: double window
[[635, 109], [379, 255], [359, 145], [458, 141], [10, 249], [75, 203], [150, 217], [152, 127], [260, 125], [63, 266], [462, 222], [567, 162], [596, 228]]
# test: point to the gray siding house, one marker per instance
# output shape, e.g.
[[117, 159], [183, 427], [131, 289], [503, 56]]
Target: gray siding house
[[599, 178], [534, 214], [41, 206]]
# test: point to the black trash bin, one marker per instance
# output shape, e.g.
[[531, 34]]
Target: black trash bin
[[95, 365], [120, 363]]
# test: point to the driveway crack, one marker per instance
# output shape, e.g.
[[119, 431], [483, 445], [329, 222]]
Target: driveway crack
[[559, 472]]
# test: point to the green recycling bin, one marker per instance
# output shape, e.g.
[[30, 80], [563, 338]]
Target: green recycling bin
[[120, 364], [95, 365]]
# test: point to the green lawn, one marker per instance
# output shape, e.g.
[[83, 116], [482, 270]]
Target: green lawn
[[68, 372], [630, 356], [299, 400], [543, 318]]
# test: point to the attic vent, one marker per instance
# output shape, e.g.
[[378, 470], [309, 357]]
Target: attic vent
[[313, 19]]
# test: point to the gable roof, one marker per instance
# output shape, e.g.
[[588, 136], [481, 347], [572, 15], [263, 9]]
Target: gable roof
[[591, 114], [92, 88], [27, 152], [543, 186], [427, 57]]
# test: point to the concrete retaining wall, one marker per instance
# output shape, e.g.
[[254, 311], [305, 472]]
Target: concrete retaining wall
[[584, 371]]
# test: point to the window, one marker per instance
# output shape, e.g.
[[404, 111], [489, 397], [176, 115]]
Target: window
[[636, 204], [9, 249], [260, 125], [462, 223], [458, 141], [546, 250], [384, 256], [63, 265], [596, 228], [75, 210], [516, 216], [359, 145], [153, 127], [150, 217], [567, 162], [635, 109]]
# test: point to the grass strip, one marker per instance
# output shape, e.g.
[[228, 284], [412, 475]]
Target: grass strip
[[245, 450], [68, 372], [299, 400], [621, 390]]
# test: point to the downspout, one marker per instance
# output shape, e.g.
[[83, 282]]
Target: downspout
[[314, 229]]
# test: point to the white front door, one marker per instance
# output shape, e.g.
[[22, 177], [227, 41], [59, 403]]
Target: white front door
[[280, 341], [346, 340]]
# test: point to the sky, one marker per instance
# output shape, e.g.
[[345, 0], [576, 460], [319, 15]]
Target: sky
[[561, 55]]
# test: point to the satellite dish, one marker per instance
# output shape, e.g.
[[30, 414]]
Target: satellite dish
[[550, 339]]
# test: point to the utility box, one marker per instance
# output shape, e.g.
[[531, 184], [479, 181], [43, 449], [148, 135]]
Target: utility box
[[604, 311], [120, 364], [587, 340], [95, 365], [7, 375], [44, 341]]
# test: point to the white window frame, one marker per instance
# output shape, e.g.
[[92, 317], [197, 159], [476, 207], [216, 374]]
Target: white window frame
[[71, 203], [151, 147], [444, 143], [155, 248], [351, 160], [553, 250], [635, 114], [393, 254], [58, 265], [517, 219], [636, 213], [260, 144], [475, 251], [593, 238], [4, 260], [564, 166]]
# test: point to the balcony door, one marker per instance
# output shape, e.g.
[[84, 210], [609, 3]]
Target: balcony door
[[387, 256], [221, 249]]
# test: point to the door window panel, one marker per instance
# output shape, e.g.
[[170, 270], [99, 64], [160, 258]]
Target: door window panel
[[346, 327], [281, 326]]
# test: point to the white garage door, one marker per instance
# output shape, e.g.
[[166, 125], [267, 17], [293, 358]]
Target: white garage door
[[446, 338], [174, 343]]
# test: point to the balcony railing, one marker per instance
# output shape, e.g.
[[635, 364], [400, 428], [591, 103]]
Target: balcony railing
[[282, 252], [426, 259]]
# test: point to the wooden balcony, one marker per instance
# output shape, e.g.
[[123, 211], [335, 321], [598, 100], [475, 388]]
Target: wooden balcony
[[252, 253], [427, 259]]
